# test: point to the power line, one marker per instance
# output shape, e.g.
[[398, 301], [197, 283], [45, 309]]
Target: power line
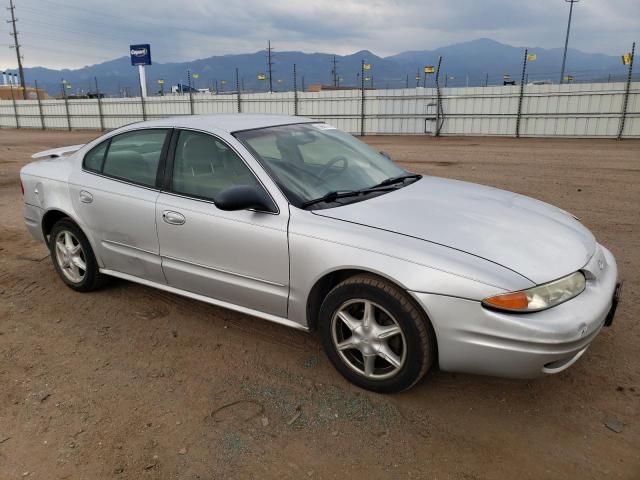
[[65, 25], [78, 17], [86, 36], [61, 29], [87, 28], [87, 10], [60, 50], [17, 47], [70, 28], [90, 17], [59, 37]]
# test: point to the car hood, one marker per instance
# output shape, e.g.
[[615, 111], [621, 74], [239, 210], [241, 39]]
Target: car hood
[[530, 237]]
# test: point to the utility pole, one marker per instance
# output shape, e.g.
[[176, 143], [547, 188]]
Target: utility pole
[[295, 91], [238, 92], [334, 72], [190, 92], [16, 45], [439, 110], [625, 102], [362, 99], [99, 105], [40, 106], [522, 82], [566, 41], [269, 66]]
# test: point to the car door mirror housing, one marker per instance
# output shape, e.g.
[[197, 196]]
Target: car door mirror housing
[[244, 197]]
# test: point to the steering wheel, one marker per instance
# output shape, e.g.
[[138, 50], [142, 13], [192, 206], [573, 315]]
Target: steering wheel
[[315, 176], [326, 169]]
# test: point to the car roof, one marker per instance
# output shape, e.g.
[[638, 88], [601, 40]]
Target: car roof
[[225, 122]]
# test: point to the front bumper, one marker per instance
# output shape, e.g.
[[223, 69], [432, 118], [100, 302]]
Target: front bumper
[[473, 339]]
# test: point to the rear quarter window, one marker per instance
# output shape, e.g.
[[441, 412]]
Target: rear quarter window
[[93, 159]]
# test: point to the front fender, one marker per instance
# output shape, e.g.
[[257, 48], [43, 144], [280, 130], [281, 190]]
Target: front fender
[[320, 245]]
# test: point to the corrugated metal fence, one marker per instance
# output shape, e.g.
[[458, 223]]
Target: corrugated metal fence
[[574, 110]]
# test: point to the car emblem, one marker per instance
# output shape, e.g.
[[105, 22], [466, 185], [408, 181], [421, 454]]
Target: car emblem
[[601, 264]]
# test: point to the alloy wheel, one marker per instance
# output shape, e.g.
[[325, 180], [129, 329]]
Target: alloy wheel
[[70, 256], [368, 339]]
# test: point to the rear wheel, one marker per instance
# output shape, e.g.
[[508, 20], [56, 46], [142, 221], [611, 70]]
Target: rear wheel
[[73, 257], [375, 335]]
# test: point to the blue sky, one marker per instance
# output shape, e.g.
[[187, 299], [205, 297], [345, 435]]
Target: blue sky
[[67, 33]]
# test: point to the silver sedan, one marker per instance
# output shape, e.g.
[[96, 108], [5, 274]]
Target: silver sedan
[[296, 222]]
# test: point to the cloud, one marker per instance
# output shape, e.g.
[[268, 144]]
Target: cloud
[[69, 33]]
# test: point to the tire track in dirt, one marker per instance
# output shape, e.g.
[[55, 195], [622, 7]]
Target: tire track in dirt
[[17, 286], [150, 304], [258, 328]]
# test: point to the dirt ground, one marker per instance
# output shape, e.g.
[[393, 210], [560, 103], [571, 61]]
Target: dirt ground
[[133, 383]]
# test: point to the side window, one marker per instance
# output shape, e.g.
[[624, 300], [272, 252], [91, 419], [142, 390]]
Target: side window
[[93, 159], [134, 156], [204, 166]]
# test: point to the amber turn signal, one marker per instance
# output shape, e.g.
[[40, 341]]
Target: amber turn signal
[[509, 301]]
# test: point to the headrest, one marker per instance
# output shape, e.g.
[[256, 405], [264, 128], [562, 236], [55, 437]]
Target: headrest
[[124, 156], [199, 148]]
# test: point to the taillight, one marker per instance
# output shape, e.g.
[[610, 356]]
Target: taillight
[[22, 188]]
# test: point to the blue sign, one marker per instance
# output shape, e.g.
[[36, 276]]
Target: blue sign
[[140, 54]]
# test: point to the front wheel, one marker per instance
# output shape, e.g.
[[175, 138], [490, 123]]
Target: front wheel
[[375, 335]]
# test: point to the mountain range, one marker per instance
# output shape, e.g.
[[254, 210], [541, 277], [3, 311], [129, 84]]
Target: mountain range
[[472, 63]]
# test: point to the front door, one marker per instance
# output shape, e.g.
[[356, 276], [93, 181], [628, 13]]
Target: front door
[[239, 257]]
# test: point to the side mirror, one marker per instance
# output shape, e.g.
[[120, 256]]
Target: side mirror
[[243, 197], [385, 154]]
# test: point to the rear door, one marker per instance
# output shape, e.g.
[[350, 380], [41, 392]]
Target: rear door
[[115, 194], [240, 257]]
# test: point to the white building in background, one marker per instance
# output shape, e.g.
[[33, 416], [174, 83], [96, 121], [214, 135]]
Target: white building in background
[[9, 78]]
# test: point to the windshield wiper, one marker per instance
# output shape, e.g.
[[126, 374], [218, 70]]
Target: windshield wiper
[[336, 194], [394, 180], [332, 196]]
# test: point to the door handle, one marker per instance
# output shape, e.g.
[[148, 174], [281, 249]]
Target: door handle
[[85, 197], [173, 218]]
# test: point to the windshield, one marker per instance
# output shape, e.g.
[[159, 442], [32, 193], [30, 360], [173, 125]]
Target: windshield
[[311, 160]]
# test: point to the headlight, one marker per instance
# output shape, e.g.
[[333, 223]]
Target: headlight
[[539, 298]]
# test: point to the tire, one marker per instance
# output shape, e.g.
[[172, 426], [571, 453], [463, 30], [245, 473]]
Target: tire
[[369, 353], [78, 252]]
